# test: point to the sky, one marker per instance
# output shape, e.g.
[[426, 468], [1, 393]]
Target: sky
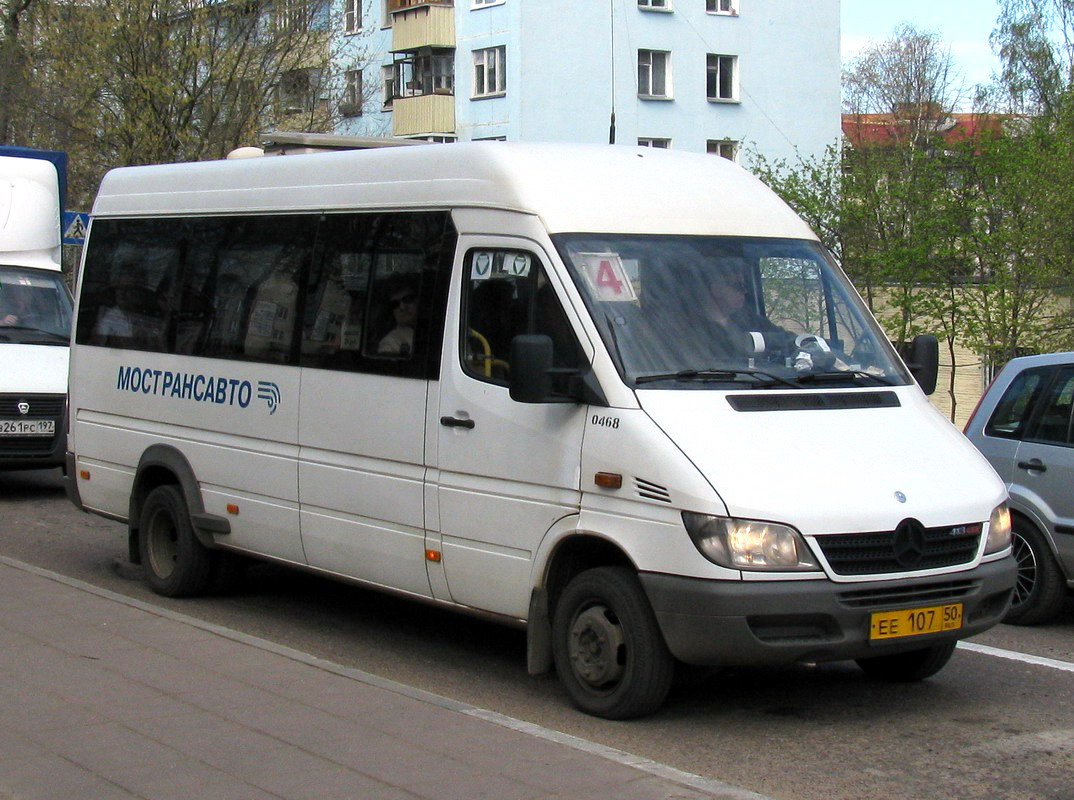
[[962, 25]]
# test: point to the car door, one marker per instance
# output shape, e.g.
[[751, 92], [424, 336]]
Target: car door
[[1043, 467], [505, 471], [1008, 423]]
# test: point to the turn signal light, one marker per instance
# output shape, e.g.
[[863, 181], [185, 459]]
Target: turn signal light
[[608, 480], [233, 508], [433, 555]]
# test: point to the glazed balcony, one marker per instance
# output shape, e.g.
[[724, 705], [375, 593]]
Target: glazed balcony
[[421, 24]]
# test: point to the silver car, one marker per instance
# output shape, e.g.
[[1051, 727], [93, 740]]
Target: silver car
[[1024, 425]]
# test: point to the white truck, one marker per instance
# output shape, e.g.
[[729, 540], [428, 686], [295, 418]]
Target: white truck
[[35, 311]]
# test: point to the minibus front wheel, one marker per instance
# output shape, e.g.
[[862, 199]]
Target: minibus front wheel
[[607, 645], [176, 563]]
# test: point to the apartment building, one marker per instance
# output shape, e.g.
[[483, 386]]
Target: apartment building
[[719, 76]]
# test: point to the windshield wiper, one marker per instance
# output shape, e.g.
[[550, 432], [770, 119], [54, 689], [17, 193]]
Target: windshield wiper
[[755, 375], [831, 377]]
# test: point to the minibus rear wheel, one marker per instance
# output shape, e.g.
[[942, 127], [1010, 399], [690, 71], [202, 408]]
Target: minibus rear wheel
[[607, 645], [909, 667], [176, 563]]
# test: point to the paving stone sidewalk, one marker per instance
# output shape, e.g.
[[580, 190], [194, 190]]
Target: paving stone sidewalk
[[103, 696]]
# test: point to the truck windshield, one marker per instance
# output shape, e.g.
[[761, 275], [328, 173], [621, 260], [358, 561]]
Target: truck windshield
[[722, 312], [35, 307]]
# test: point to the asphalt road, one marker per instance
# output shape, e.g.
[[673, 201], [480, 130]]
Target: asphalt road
[[985, 727]]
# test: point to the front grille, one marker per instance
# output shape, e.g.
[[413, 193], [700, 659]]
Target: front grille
[[42, 406], [933, 594], [911, 547]]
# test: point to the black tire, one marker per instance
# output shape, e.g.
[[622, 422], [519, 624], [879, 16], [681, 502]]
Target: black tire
[[1040, 589], [607, 645], [176, 563], [910, 667]]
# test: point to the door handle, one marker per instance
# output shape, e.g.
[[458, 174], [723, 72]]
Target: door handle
[[455, 422], [1033, 465]]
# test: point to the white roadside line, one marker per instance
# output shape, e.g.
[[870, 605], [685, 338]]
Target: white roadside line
[[1011, 655]]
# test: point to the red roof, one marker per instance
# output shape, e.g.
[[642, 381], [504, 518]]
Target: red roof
[[880, 129]]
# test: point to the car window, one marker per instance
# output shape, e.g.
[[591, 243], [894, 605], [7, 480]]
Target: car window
[[507, 294], [1011, 417], [1055, 419]]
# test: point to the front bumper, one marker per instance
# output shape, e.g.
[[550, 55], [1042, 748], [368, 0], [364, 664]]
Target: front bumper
[[782, 622]]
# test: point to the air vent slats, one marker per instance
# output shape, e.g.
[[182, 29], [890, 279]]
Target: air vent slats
[[651, 491]]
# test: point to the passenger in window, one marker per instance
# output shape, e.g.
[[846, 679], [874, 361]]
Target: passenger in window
[[133, 316], [734, 324], [399, 341], [17, 308]]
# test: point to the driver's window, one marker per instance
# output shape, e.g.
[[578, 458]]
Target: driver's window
[[507, 293]]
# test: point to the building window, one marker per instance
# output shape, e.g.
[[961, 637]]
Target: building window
[[722, 78], [352, 94], [387, 85], [655, 5], [298, 90], [649, 141], [725, 148], [490, 72], [654, 73], [729, 7], [352, 16], [426, 72]]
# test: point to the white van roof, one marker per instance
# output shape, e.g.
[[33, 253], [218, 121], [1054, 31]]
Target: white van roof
[[29, 213], [571, 187]]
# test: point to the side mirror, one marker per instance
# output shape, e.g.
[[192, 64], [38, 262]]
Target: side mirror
[[531, 364], [924, 361]]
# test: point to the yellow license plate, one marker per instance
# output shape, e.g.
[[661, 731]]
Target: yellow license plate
[[915, 621]]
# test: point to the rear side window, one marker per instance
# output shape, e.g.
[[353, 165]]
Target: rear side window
[[1055, 421], [359, 292], [1011, 418]]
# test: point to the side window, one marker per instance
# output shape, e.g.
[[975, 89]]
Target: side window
[[1054, 425], [1011, 416], [507, 293], [128, 287], [259, 264], [374, 303]]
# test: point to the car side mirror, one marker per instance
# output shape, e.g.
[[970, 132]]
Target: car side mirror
[[924, 362], [531, 365]]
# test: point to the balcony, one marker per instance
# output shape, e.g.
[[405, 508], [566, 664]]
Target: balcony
[[423, 24], [425, 114], [402, 5]]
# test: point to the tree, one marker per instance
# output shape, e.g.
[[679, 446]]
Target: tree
[[155, 81], [14, 63], [1035, 40]]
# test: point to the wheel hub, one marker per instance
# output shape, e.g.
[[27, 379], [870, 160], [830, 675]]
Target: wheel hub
[[596, 640]]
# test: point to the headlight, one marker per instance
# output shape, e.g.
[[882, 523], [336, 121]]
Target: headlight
[[999, 530], [749, 544]]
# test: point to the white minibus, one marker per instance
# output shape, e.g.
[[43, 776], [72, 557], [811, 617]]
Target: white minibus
[[35, 315], [619, 396]]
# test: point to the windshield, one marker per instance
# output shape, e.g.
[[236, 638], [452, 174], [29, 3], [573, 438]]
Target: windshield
[[35, 307], [699, 312]]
